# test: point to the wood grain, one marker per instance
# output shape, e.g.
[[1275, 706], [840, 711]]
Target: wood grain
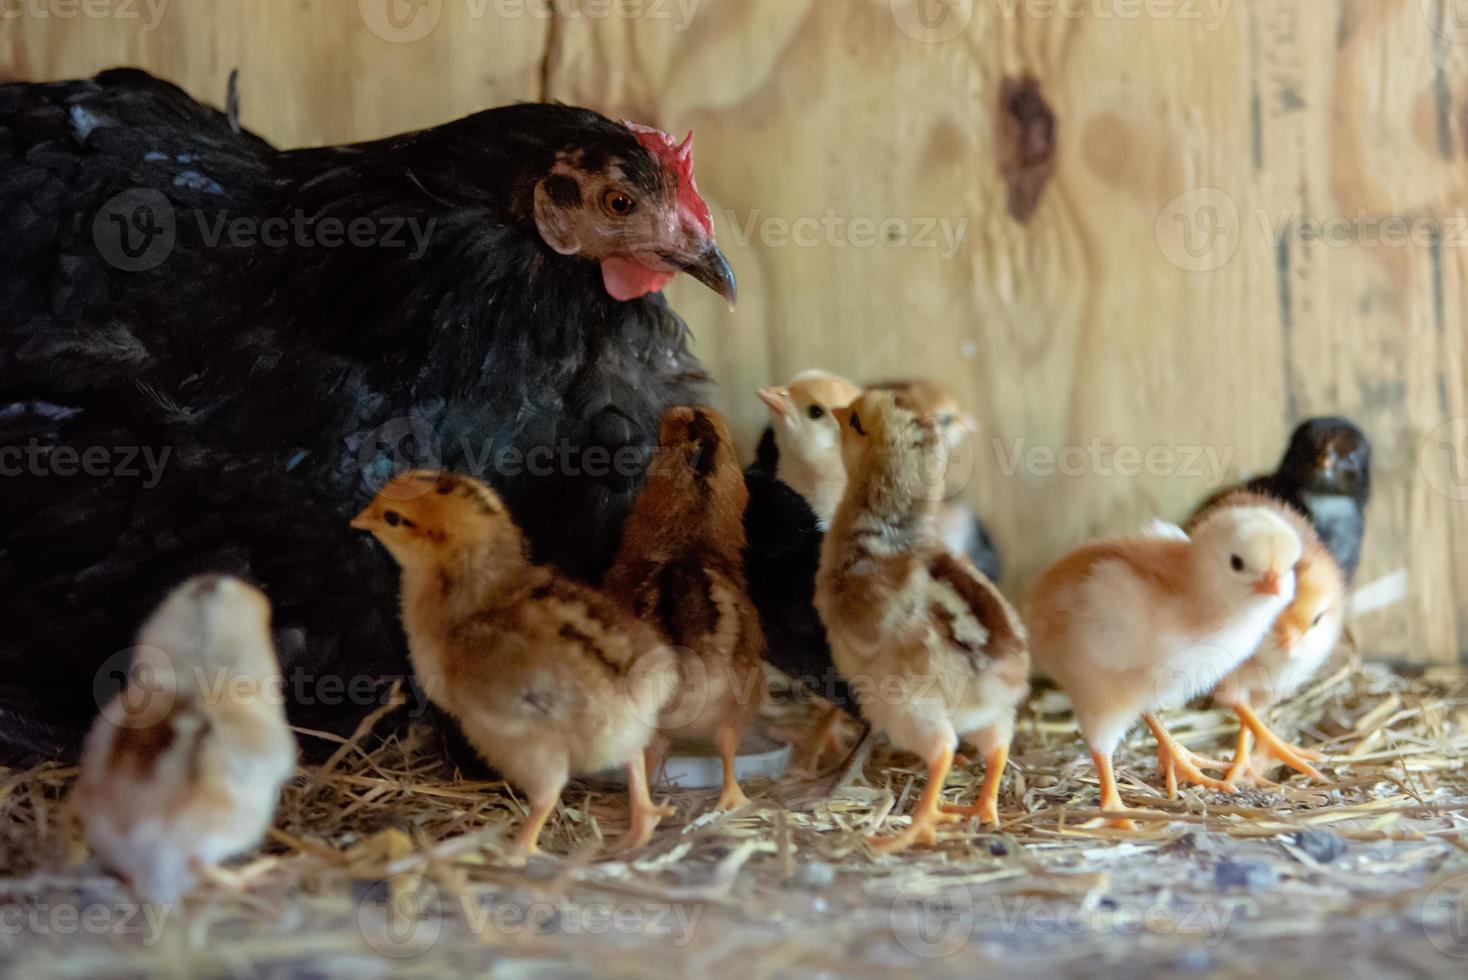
[[1149, 305]]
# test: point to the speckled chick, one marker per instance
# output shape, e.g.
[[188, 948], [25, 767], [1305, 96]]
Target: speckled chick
[[547, 677], [931, 647]]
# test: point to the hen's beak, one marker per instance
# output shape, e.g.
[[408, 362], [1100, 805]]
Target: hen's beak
[[1268, 584], [712, 269], [363, 521], [777, 401]]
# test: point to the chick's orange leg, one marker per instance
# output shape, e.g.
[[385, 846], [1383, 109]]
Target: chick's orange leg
[[727, 739], [820, 740], [928, 813], [644, 813], [1110, 796], [1176, 760], [1244, 772], [986, 807], [1274, 745], [653, 756], [527, 841]]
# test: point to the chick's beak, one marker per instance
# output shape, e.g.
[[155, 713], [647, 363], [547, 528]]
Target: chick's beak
[[1268, 584], [777, 400], [711, 268], [363, 521]]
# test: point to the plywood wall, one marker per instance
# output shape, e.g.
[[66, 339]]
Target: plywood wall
[[1148, 323]]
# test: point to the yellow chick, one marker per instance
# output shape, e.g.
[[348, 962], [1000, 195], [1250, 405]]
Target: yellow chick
[[681, 567], [931, 648], [547, 677], [1296, 646], [808, 438], [1132, 626], [183, 768]]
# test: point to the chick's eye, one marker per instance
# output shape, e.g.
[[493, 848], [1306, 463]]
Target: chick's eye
[[1319, 618], [1236, 563], [816, 412], [618, 203], [393, 518]]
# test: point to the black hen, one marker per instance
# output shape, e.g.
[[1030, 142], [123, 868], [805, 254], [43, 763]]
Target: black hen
[[214, 352]]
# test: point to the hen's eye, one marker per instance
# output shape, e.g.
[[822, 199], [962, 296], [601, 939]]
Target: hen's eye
[[816, 412], [393, 518], [1319, 618], [856, 424], [618, 203], [1236, 563]]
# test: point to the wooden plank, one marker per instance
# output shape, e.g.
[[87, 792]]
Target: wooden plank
[[312, 72]]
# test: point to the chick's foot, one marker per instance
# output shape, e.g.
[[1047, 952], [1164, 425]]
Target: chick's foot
[[1174, 760], [986, 807], [927, 816], [644, 813], [1273, 746]]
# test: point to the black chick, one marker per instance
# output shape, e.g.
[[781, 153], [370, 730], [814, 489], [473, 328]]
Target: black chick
[[1325, 475], [205, 368]]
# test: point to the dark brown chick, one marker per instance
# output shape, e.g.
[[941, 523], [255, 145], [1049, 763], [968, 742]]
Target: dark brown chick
[[547, 677], [681, 567]]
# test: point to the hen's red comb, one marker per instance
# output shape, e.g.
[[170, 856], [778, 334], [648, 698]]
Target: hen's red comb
[[678, 158]]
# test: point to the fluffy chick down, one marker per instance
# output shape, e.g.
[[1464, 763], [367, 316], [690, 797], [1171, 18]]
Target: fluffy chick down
[[932, 648], [548, 678], [681, 567], [1132, 626], [183, 768], [1296, 646]]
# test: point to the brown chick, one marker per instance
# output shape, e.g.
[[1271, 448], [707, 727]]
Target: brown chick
[[184, 767], [932, 650], [681, 567], [547, 677], [1132, 626], [1296, 646]]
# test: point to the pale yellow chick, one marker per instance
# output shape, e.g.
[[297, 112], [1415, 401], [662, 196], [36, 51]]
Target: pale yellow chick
[[183, 768], [809, 439], [1132, 626], [1294, 648]]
